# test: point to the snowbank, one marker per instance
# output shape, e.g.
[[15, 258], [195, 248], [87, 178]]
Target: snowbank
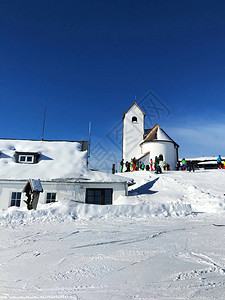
[[172, 194], [71, 210]]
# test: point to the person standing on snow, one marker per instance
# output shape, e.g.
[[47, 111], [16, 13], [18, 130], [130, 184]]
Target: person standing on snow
[[219, 162], [131, 165], [156, 162], [191, 166], [178, 166], [134, 163], [121, 165], [137, 165], [184, 164], [151, 164]]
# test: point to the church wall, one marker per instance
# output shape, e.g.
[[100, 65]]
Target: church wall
[[165, 148]]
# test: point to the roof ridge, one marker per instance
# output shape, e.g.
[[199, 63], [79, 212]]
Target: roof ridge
[[130, 108]]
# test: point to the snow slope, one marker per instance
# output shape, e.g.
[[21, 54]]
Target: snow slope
[[165, 241]]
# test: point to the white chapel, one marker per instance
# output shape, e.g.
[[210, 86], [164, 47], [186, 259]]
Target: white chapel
[[145, 144]]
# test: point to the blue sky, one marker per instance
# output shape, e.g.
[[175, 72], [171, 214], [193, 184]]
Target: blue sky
[[88, 60]]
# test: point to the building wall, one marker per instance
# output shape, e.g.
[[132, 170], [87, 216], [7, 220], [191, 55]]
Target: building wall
[[145, 159], [167, 149], [133, 133], [64, 190]]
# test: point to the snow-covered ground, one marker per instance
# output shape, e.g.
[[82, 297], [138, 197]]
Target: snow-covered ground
[[165, 241]]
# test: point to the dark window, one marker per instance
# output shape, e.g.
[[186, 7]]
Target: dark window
[[161, 157], [51, 197], [134, 119], [15, 199], [26, 159], [99, 196]]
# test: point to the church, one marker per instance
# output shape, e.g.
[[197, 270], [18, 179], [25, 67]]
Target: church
[[145, 144]]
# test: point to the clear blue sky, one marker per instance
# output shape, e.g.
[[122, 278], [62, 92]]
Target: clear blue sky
[[87, 60]]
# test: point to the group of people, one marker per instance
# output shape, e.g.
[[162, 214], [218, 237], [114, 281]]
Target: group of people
[[134, 165], [183, 165], [190, 166], [159, 164]]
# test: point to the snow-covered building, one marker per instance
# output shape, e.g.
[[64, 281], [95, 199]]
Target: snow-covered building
[[145, 144], [60, 166]]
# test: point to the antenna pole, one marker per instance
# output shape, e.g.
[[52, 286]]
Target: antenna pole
[[43, 130], [89, 142]]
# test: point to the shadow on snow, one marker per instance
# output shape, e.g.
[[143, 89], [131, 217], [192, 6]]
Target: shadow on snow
[[144, 189]]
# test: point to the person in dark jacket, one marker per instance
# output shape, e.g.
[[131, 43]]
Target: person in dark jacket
[[127, 166], [158, 170], [121, 165], [191, 166]]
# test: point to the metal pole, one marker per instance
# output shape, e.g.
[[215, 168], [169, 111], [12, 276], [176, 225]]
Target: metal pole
[[43, 130], [89, 142]]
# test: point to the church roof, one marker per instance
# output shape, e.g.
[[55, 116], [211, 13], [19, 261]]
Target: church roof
[[157, 134], [144, 155], [130, 108], [146, 131]]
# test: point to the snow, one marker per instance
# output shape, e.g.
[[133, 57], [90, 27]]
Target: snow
[[59, 161], [36, 185], [162, 136], [208, 162], [52, 162], [164, 241]]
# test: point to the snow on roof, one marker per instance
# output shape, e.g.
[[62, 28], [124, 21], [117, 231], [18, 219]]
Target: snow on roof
[[157, 134], [102, 176], [211, 162], [162, 136], [96, 176], [57, 159], [34, 184]]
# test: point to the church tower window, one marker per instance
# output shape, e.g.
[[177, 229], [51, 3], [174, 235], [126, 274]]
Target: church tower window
[[134, 119]]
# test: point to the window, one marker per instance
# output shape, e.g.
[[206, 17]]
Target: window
[[51, 197], [134, 119], [16, 199], [99, 196], [26, 159], [29, 158]]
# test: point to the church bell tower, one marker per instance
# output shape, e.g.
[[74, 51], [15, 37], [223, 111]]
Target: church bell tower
[[133, 132]]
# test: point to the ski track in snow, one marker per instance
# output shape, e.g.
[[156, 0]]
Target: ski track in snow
[[166, 252]]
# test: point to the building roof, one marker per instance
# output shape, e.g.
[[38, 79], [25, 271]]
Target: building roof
[[158, 134], [59, 161], [143, 155], [56, 159], [34, 185], [130, 108]]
